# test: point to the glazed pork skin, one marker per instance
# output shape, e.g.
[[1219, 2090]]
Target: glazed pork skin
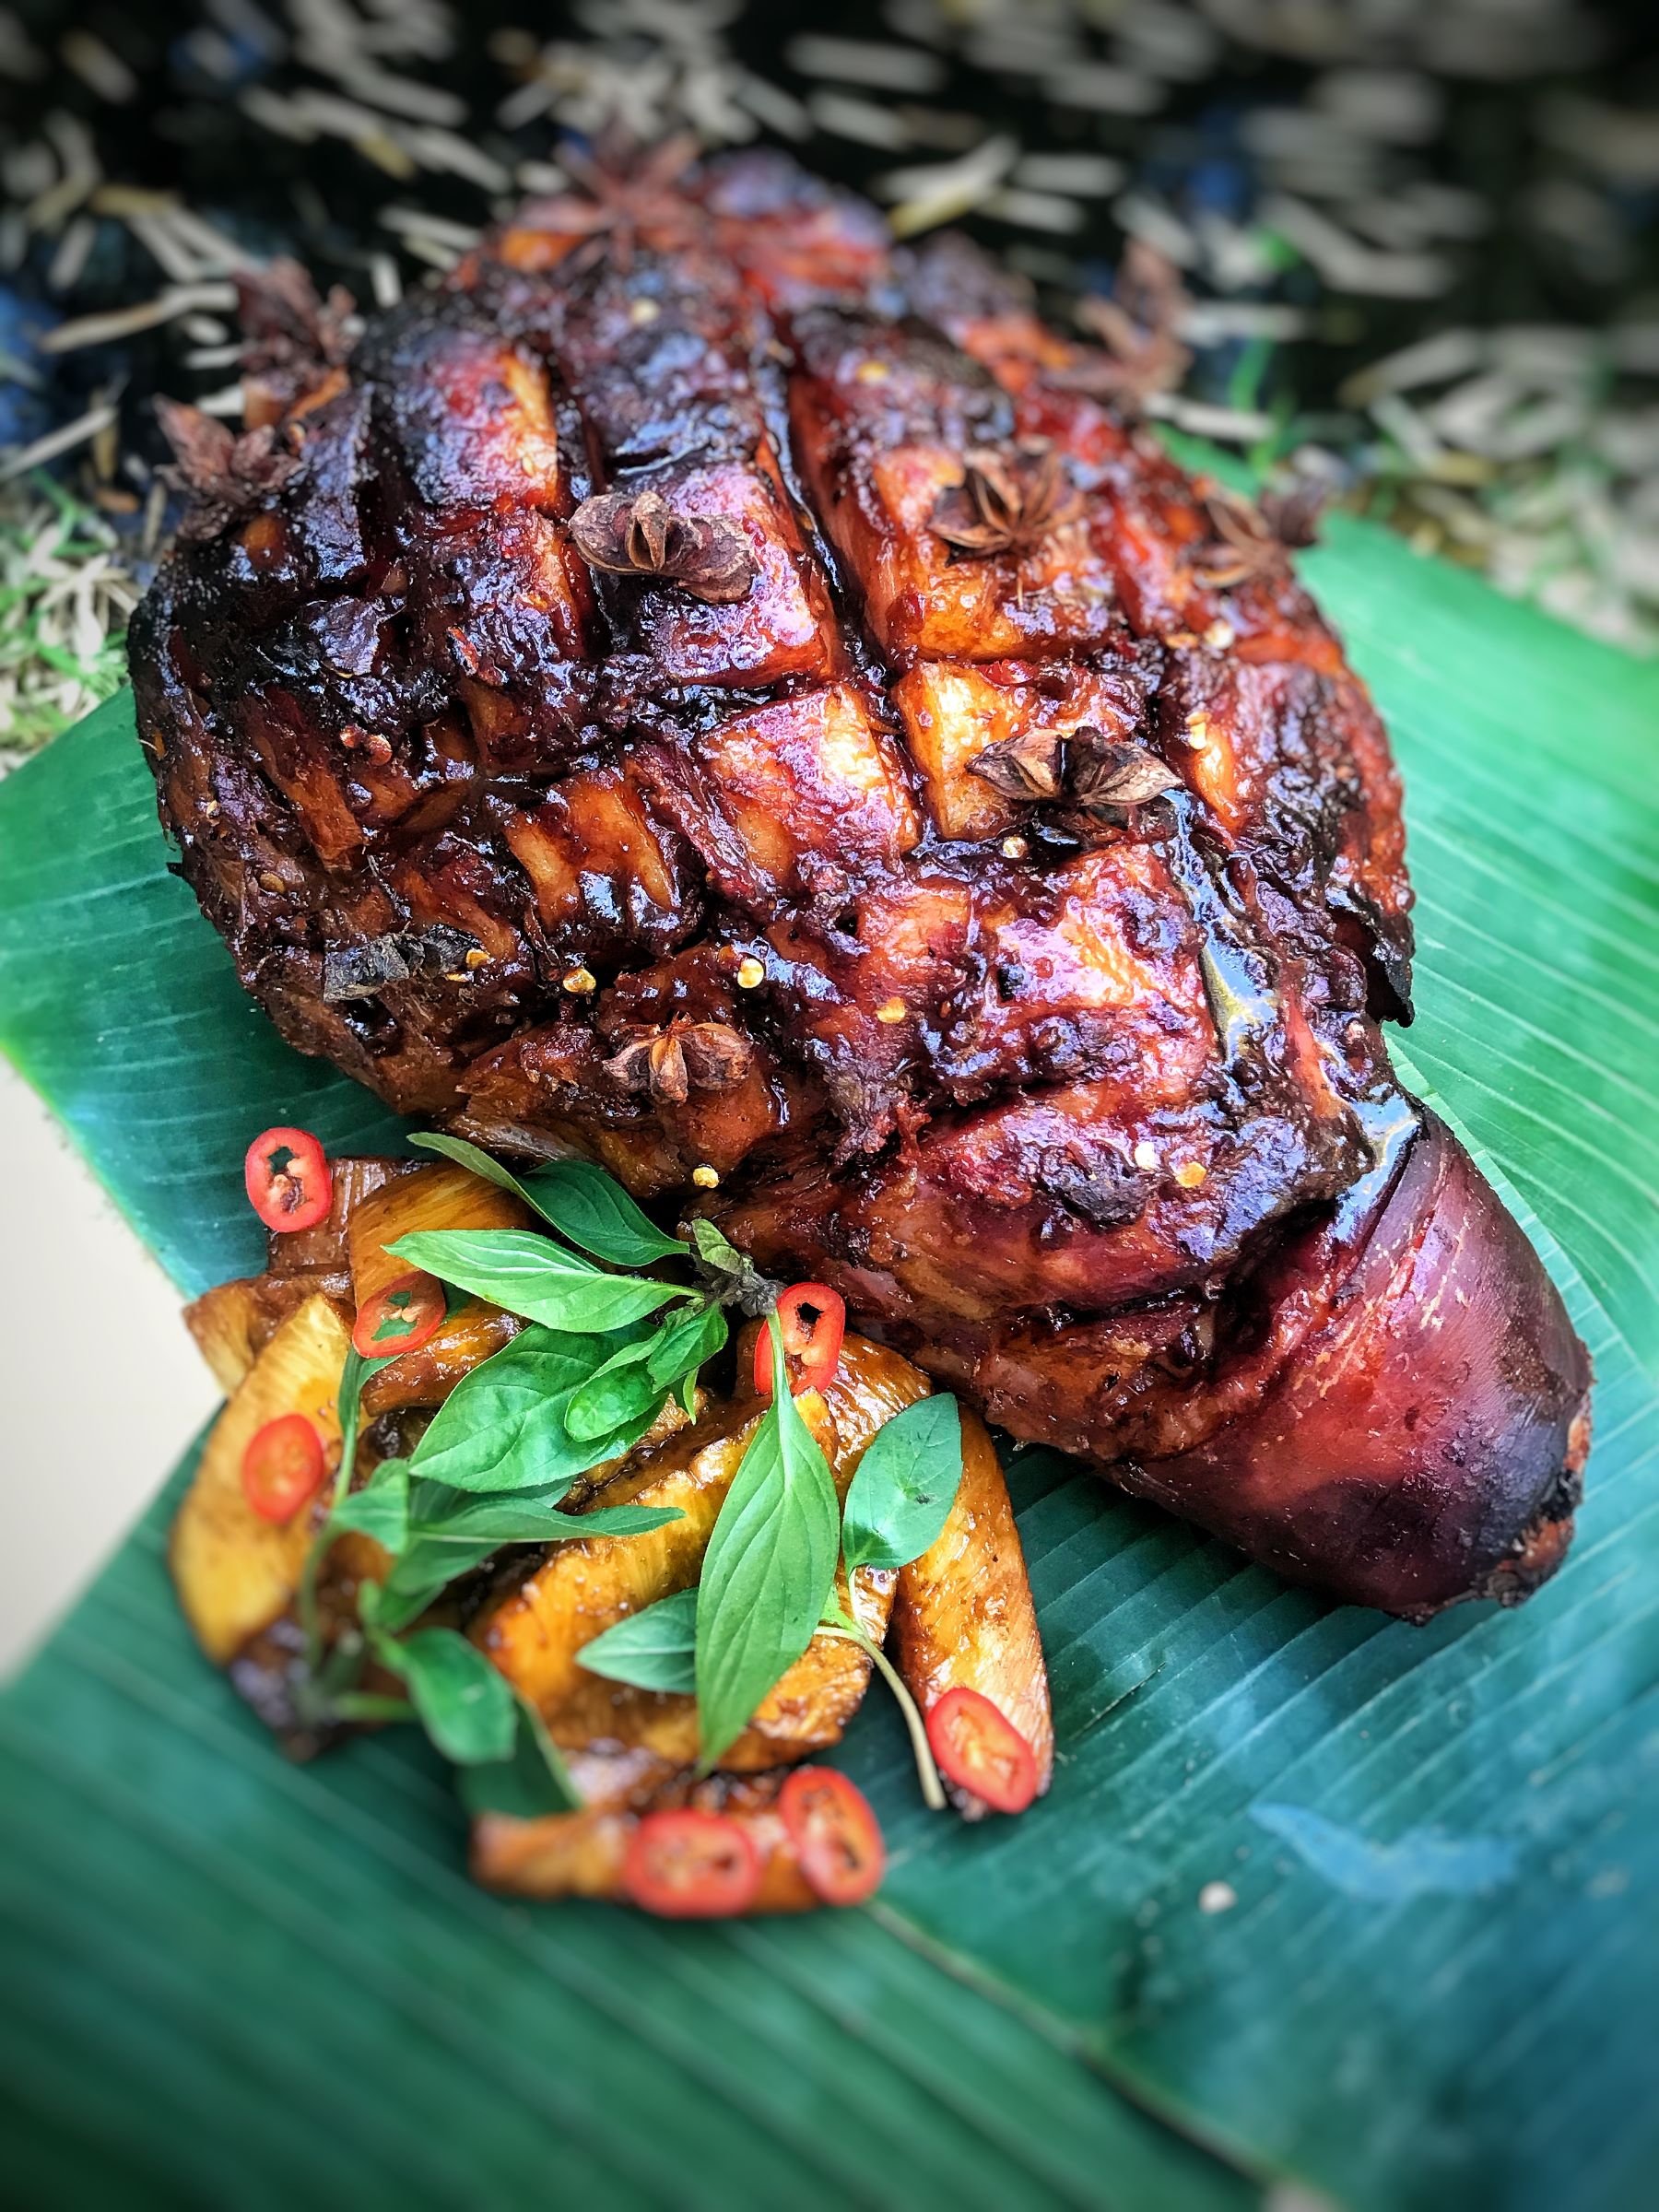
[[710, 689]]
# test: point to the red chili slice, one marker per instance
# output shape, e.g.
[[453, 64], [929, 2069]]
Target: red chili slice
[[692, 1865], [812, 1346], [283, 1465], [836, 1836], [289, 1186], [979, 1748], [401, 1318]]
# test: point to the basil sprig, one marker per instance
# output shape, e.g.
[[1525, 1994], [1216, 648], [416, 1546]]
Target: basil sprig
[[530, 1274], [581, 1385], [502, 1427], [731, 1648], [637, 1377], [769, 1567]]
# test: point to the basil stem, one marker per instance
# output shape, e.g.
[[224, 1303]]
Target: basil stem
[[846, 1630], [353, 1375], [363, 1705]]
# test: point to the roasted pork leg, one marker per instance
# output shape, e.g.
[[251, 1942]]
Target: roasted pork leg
[[707, 688]]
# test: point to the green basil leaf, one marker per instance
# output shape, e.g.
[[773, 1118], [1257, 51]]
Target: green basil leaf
[[475, 1159], [581, 1200], [683, 1342], [768, 1568], [381, 1508], [655, 1649], [530, 1274], [716, 1251], [617, 1392], [502, 1428], [466, 1705], [443, 1545], [427, 1566], [637, 1379], [530, 1782], [906, 1483], [506, 1521], [421, 1577], [755, 1292], [592, 1209]]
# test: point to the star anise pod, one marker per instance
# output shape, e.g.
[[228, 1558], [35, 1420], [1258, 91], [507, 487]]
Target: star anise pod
[[1243, 545], [1294, 514], [1083, 769], [1103, 773], [1140, 327], [284, 322], [624, 199], [1027, 767], [1001, 508], [638, 533], [224, 473], [668, 1064]]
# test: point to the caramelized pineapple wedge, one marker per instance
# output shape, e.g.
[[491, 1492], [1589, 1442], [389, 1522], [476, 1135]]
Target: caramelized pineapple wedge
[[429, 1198], [805, 1711], [236, 1572], [535, 1634], [963, 1615], [586, 1853], [234, 1321], [228, 1323], [437, 1197]]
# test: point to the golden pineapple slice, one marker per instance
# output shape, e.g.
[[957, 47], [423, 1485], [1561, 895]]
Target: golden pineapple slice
[[237, 1572], [228, 1325], [441, 1198]]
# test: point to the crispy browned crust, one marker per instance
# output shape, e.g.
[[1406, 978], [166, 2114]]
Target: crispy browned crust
[[1424, 1440], [711, 863]]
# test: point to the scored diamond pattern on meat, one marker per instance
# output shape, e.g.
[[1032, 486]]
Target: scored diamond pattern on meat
[[701, 620]]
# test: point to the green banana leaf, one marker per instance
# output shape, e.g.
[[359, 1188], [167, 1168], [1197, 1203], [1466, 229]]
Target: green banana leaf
[[1371, 1908]]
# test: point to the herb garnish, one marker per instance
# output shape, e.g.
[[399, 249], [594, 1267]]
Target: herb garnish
[[580, 1386], [502, 1427], [580, 1201], [532, 1275], [729, 1649], [769, 1567], [653, 1649]]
